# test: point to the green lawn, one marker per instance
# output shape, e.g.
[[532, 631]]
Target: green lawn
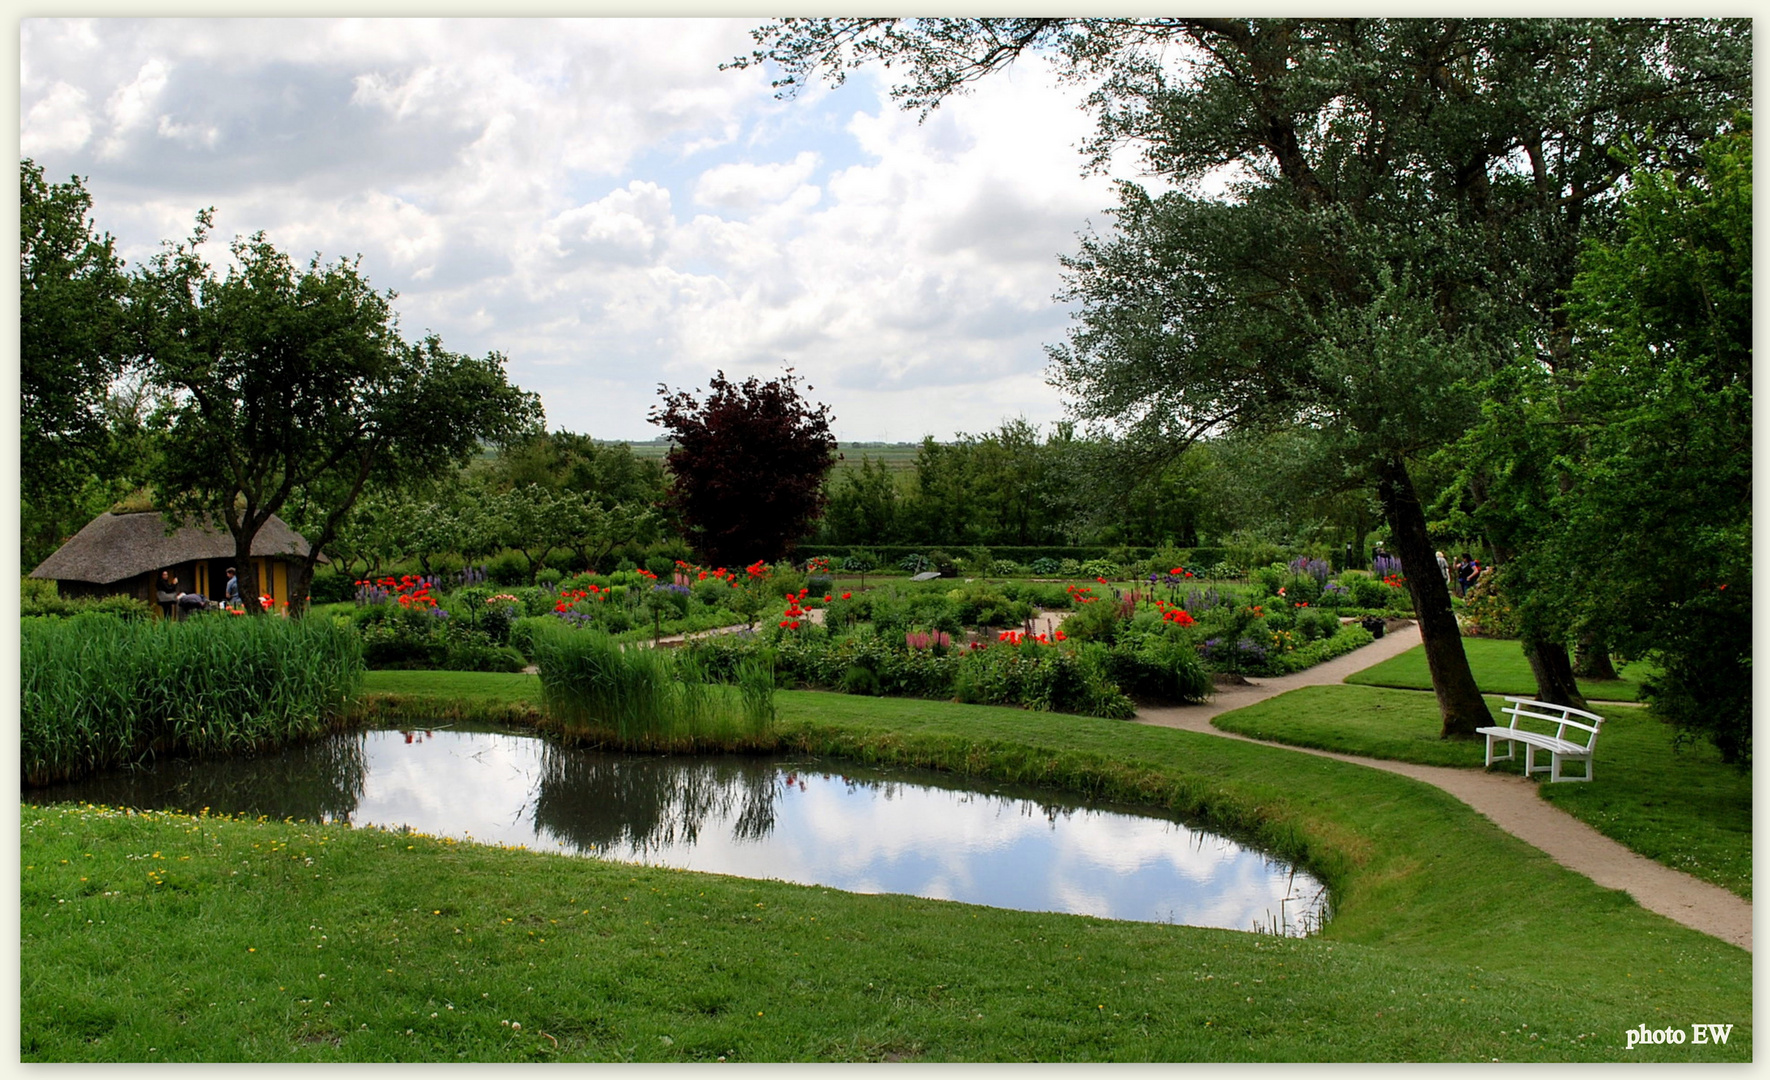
[[208, 939], [1681, 807], [1500, 668]]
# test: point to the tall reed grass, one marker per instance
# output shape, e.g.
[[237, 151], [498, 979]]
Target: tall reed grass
[[99, 692], [595, 689]]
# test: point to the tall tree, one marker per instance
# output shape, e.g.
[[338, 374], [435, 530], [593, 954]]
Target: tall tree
[[1631, 464], [1406, 200], [747, 465], [281, 380], [73, 344]]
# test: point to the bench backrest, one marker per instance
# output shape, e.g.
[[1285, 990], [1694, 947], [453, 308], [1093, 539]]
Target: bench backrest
[[1563, 716]]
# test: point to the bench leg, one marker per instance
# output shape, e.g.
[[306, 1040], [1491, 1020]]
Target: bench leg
[[1491, 758], [1555, 776]]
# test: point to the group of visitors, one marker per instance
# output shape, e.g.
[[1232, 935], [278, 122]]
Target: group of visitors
[[175, 603], [1462, 575]]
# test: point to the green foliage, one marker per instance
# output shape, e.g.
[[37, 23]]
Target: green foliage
[[1099, 621], [597, 690], [73, 336], [40, 602], [1486, 611], [278, 380], [1619, 482], [979, 603], [1163, 669], [98, 691]]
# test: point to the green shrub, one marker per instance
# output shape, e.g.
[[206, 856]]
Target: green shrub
[[1101, 568], [1349, 637], [471, 655], [1267, 580], [548, 576], [331, 585], [638, 698], [1045, 566], [1366, 591], [1098, 621], [859, 561], [979, 603], [99, 691], [507, 569], [1040, 677], [1314, 624], [1162, 669], [1486, 612], [46, 603]]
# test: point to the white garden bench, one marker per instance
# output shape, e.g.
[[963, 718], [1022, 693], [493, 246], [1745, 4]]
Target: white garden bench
[[1559, 746]]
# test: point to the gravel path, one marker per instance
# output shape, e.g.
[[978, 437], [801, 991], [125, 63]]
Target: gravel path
[[1509, 801]]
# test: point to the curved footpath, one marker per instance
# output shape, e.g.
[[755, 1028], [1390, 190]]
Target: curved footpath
[[1509, 801]]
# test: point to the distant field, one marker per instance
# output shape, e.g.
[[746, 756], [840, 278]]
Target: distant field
[[898, 457]]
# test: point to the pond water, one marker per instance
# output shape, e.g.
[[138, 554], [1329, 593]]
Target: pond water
[[802, 820]]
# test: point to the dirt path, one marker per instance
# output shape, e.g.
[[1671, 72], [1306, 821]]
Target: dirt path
[[1509, 801]]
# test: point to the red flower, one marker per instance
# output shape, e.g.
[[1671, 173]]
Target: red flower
[[846, 595]]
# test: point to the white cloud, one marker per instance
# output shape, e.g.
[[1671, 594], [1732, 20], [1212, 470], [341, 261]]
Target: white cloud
[[744, 186], [523, 184], [58, 121]]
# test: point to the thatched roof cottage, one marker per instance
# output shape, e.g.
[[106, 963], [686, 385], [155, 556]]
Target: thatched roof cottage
[[124, 554]]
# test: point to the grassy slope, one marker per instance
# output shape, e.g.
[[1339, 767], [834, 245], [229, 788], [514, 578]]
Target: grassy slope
[[1680, 807], [1499, 667], [1448, 940]]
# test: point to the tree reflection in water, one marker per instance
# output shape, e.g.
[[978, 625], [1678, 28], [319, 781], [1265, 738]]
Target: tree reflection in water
[[321, 780], [594, 802]]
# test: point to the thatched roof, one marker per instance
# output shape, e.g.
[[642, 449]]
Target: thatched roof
[[116, 546]]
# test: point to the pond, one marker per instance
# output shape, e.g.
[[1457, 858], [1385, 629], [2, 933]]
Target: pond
[[802, 820]]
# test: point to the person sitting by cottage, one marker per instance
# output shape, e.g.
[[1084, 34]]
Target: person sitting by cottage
[[233, 589], [169, 594]]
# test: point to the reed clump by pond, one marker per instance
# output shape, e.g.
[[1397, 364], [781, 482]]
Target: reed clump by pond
[[98, 691], [596, 690]]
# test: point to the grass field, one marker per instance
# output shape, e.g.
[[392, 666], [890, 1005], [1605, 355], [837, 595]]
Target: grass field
[[1500, 668], [1678, 806], [151, 937]]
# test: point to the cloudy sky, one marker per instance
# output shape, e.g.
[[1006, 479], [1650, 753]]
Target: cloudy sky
[[597, 201]]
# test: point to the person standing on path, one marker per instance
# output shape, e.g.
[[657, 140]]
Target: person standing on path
[[233, 589]]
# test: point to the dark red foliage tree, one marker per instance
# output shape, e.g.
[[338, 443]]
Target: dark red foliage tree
[[747, 466]]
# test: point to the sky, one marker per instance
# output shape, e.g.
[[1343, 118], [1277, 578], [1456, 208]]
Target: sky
[[595, 200]]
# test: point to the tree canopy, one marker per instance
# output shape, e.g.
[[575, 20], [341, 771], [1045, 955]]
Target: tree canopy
[[279, 379], [1622, 477], [1404, 201], [747, 465], [73, 345]]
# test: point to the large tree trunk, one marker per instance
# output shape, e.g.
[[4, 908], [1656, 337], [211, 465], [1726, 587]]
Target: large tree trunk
[[1459, 699], [1554, 674], [247, 575], [1591, 657]]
